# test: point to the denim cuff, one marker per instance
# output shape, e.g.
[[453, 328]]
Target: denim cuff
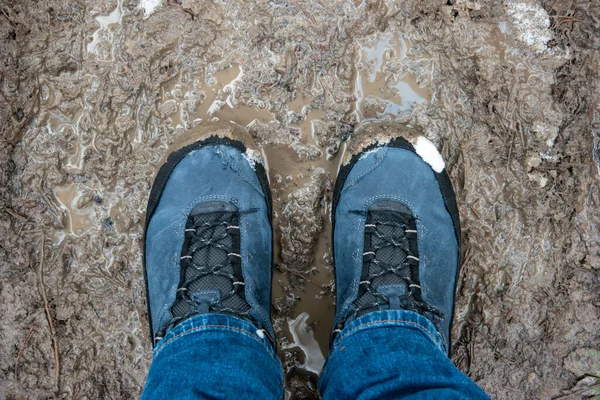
[[391, 318], [212, 322]]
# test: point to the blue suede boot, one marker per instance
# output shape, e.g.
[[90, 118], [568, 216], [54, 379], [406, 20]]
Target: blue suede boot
[[396, 230], [208, 241]]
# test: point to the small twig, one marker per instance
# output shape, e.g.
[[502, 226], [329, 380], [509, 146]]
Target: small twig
[[21, 219], [471, 350], [569, 19], [25, 341], [8, 17], [570, 395], [308, 15], [53, 207], [42, 289], [15, 215], [473, 210], [21, 228], [299, 275], [467, 258]]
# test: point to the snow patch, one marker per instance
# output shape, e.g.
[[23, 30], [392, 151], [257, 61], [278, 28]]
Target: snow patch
[[380, 144], [428, 152], [532, 24], [149, 6], [253, 157], [368, 153]]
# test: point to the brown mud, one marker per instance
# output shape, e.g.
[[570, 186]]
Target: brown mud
[[93, 95]]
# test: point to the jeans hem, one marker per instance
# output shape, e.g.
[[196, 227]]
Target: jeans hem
[[387, 319], [215, 322]]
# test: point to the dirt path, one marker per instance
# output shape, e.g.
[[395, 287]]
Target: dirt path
[[93, 94]]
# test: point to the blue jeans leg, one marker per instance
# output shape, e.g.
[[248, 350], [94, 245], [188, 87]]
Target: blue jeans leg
[[389, 355], [214, 356]]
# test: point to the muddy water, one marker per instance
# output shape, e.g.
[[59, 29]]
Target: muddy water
[[189, 101], [303, 258], [93, 95], [377, 96], [79, 214], [103, 35]]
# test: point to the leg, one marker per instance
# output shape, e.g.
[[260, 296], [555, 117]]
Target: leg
[[393, 354], [214, 356], [207, 261], [396, 237]]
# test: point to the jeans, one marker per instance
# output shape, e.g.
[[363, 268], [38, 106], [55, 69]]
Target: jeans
[[381, 355]]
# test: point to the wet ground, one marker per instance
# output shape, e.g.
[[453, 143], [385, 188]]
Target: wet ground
[[94, 94]]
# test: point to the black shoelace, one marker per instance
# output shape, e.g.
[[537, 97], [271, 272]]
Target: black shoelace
[[391, 258], [210, 261]]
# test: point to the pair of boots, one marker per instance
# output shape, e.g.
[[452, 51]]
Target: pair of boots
[[396, 232]]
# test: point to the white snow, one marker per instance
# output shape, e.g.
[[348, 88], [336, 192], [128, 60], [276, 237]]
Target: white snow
[[253, 157], [532, 24], [368, 153], [428, 152], [149, 6]]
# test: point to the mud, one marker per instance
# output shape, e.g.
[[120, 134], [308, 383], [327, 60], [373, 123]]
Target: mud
[[93, 95]]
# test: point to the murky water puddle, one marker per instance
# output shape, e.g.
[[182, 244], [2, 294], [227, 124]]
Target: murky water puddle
[[384, 88], [101, 44], [301, 167], [78, 209], [301, 174], [303, 338]]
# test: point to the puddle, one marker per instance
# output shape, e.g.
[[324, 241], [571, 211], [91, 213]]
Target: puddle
[[56, 123], [78, 209], [303, 338], [383, 87], [190, 100], [495, 38], [306, 118], [74, 162], [300, 79], [101, 44]]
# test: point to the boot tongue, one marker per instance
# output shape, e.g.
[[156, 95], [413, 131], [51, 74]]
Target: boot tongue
[[204, 299], [393, 293]]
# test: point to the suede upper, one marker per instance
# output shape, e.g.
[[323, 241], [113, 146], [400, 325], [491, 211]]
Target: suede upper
[[211, 173], [396, 174]]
